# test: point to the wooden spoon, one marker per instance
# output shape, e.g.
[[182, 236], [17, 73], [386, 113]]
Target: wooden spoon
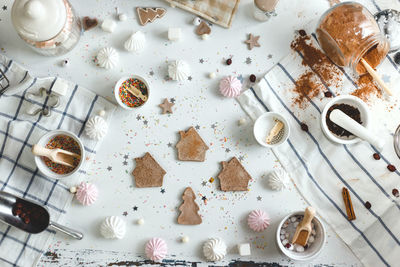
[[376, 77], [303, 230], [136, 92], [57, 155]]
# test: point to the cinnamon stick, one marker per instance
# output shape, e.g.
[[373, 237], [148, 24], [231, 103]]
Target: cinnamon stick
[[349, 205]]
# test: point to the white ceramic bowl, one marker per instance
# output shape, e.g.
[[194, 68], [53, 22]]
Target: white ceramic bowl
[[118, 85], [264, 124], [310, 252], [43, 142], [352, 101]]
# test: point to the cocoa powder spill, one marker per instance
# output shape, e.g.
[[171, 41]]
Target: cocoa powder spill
[[309, 84]]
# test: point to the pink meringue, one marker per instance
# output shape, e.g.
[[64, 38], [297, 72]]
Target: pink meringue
[[258, 220], [230, 86], [156, 249], [86, 193]]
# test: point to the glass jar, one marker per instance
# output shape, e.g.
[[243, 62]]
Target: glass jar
[[348, 32], [264, 9], [50, 27]]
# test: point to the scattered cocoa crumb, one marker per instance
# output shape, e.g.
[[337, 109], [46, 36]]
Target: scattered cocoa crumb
[[395, 192], [376, 156], [328, 94], [391, 168], [304, 127], [367, 205], [309, 84]]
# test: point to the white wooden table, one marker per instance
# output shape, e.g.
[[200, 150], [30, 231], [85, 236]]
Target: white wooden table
[[198, 103]]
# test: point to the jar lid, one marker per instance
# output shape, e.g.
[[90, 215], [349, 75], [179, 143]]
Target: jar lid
[[38, 20], [266, 5]]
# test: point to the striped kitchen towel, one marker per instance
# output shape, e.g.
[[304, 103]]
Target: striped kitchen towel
[[320, 168], [18, 172]]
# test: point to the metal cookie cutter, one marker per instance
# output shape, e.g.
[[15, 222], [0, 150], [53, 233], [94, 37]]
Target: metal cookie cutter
[[46, 110]]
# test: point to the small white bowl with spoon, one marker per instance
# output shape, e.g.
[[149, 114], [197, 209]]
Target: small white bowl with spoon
[[271, 129], [58, 156]]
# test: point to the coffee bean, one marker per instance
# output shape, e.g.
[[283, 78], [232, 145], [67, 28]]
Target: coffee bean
[[397, 58], [395, 192], [376, 156], [391, 168], [304, 127], [253, 78], [302, 33], [229, 61], [367, 205]]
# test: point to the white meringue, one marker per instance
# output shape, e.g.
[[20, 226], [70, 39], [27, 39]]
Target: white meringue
[[136, 42], [278, 179], [179, 70], [96, 128], [214, 249], [107, 58], [113, 227]]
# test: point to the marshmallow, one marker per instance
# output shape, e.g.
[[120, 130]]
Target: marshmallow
[[174, 34], [108, 25], [244, 249], [185, 239], [140, 221], [60, 87], [196, 21], [122, 17]]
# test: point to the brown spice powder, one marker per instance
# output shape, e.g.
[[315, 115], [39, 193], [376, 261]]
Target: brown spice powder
[[366, 88]]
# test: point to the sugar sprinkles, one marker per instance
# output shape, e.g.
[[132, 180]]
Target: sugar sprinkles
[[66, 143], [129, 99]]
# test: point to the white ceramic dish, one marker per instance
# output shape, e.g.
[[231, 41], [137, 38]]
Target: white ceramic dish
[[310, 252], [43, 142], [352, 101], [118, 85], [264, 124]]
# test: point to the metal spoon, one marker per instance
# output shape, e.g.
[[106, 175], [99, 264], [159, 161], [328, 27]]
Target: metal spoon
[[39, 220]]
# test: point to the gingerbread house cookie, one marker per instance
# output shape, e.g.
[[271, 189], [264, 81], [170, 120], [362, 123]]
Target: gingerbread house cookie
[[233, 176], [191, 147], [148, 173]]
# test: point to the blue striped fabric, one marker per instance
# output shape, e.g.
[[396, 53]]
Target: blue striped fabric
[[18, 173]]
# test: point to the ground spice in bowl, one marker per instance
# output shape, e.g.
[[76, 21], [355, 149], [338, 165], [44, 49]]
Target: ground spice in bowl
[[350, 111], [66, 143], [129, 99]]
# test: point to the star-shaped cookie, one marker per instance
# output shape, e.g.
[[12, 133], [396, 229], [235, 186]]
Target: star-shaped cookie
[[166, 106], [252, 41]]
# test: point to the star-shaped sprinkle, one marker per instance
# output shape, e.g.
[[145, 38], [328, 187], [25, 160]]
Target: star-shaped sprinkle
[[166, 106], [204, 183], [172, 100], [135, 208], [213, 126], [190, 78], [259, 198], [248, 61], [125, 213], [109, 168], [162, 190], [252, 41], [227, 150], [197, 127], [126, 156], [169, 144], [204, 198], [145, 122], [138, 117], [269, 56], [386, 78], [4, 7], [201, 60], [151, 73], [124, 163], [241, 158]]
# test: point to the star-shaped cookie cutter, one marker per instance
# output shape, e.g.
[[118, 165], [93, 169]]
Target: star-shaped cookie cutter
[[45, 110]]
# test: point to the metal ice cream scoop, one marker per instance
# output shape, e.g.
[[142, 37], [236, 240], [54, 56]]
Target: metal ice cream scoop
[[29, 216]]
